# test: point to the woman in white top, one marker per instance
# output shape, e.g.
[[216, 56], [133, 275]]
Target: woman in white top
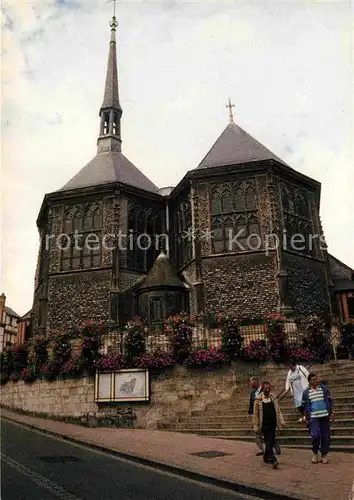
[[297, 382]]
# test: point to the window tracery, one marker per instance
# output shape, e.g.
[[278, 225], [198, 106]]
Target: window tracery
[[234, 212], [182, 233], [81, 245], [143, 226], [297, 221]]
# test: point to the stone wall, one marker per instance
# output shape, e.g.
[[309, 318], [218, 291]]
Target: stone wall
[[173, 391], [307, 285], [77, 297], [244, 284]]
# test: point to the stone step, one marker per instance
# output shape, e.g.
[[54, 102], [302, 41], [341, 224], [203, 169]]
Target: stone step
[[318, 369], [285, 401], [243, 411], [340, 399], [329, 376], [278, 389], [339, 420], [242, 431], [325, 368]]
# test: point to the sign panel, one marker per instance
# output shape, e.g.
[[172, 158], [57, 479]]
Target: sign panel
[[122, 386]]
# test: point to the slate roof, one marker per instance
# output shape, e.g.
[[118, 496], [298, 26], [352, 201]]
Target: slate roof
[[11, 312], [26, 316], [162, 274], [343, 285], [110, 167], [236, 146], [339, 270]]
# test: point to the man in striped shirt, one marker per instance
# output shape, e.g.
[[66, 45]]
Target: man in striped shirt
[[318, 406]]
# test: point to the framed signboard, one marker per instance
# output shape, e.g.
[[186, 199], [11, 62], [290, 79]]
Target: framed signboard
[[122, 386]]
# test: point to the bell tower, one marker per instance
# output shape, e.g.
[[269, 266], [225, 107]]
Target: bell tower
[[111, 112]]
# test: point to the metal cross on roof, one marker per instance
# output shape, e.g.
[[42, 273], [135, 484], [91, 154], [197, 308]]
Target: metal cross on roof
[[230, 106]]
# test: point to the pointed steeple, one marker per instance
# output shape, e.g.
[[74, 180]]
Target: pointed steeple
[[110, 165], [235, 146], [111, 112]]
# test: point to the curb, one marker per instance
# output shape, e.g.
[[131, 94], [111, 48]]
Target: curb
[[255, 491]]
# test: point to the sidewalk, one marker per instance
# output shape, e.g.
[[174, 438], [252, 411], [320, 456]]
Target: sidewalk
[[296, 476]]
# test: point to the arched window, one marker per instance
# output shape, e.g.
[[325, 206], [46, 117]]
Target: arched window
[[105, 127], [92, 218], [143, 225], [250, 198], [240, 200], [301, 207], [234, 215], [288, 202], [297, 222], [81, 243], [182, 233], [115, 127]]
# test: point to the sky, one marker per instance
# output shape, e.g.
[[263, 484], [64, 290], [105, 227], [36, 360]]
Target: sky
[[288, 66]]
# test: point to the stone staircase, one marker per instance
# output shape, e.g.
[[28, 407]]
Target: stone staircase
[[229, 419]]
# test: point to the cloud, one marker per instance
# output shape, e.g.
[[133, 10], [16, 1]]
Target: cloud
[[221, 31]]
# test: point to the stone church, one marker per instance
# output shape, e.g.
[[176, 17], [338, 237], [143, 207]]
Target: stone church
[[239, 187]]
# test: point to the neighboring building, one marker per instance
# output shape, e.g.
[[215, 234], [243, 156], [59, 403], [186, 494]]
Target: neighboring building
[[8, 324], [239, 185], [343, 288], [24, 328]]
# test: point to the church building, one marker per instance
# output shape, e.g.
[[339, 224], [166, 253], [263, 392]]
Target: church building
[[192, 264]]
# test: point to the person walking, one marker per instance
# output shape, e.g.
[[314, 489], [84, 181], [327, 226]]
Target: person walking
[[267, 418], [255, 390], [296, 382], [319, 412]]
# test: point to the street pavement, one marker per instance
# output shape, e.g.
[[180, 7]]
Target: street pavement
[[36, 466], [230, 464]]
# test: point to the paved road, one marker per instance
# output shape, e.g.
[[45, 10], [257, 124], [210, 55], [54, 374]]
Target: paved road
[[39, 467]]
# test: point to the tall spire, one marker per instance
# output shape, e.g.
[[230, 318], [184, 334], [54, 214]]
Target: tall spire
[[111, 112]]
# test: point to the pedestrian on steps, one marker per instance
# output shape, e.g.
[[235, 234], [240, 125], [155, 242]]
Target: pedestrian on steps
[[319, 413], [255, 391], [267, 418], [297, 382]]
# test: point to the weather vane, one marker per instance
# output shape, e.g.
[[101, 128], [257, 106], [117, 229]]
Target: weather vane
[[230, 106]]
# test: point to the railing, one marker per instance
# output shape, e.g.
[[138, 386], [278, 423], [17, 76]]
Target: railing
[[208, 335]]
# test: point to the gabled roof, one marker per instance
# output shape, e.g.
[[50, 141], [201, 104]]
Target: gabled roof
[[107, 168], [11, 312], [333, 261], [162, 274], [26, 316], [236, 146]]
